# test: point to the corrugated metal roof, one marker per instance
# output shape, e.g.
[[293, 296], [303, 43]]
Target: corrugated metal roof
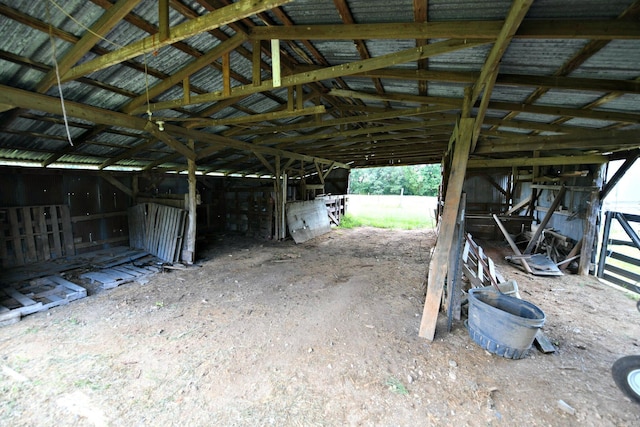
[[26, 53]]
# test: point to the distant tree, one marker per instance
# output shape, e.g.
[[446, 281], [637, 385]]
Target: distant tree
[[417, 180]]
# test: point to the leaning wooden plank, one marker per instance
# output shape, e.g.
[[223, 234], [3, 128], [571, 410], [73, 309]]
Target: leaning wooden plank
[[513, 245], [124, 258]]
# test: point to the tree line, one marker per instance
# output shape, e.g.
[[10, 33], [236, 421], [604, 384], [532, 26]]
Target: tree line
[[417, 180]]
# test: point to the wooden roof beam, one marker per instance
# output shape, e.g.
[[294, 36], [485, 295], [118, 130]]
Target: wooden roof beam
[[401, 57], [489, 71], [503, 106], [488, 30], [101, 27], [24, 99], [186, 71], [212, 20]]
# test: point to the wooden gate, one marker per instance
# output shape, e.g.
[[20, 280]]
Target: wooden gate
[[619, 261]]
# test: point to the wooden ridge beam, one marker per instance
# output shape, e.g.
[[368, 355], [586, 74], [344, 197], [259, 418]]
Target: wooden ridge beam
[[210, 21], [550, 82], [534, 29], [538, 161], [503, 106], [401, 57], [591, 140]]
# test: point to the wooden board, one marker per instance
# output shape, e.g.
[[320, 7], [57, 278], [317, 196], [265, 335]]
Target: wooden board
[[37, 295], [157, 229], [30, 234], [307, 220], [116, 276]]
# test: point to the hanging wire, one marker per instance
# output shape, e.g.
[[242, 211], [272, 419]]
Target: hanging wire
[[55, 61], [81, 25]]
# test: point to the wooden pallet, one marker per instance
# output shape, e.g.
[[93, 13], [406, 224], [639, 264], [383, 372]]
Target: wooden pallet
[[116, 276], [38, 295], [35, 233]]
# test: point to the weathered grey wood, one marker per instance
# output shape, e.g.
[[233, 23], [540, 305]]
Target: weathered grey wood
[[590, 225], [438, 264], [513, 245]]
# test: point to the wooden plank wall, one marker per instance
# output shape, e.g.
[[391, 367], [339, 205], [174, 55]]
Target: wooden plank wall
[[157, 229], [35, 233]]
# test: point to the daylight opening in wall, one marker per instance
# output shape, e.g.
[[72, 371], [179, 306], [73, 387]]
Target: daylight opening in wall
[[394, 197]]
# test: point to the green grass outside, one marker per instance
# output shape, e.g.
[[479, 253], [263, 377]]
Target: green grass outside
[[397, 212]]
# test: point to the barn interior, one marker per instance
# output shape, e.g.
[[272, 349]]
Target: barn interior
[[149, 124]]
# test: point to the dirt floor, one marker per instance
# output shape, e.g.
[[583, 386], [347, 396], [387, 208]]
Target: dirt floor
[[322, 333]]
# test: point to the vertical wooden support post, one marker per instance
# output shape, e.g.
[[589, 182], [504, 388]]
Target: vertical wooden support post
[[275, 63], [226, 74], [257, 62], [439, 260], [591, 224], [290, 98], [163, 19], [276, 199], [186, 90], [299, 97], [283, 198], [189, 248]]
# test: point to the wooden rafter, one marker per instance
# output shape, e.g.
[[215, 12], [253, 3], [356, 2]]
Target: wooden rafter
[[538, 29], [180, 32], [401, 57]]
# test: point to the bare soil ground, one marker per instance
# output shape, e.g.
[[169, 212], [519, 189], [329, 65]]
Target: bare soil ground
[[322, 333]]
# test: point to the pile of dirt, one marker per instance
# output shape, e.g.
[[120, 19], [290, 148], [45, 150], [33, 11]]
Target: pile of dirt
[[322, 333]]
